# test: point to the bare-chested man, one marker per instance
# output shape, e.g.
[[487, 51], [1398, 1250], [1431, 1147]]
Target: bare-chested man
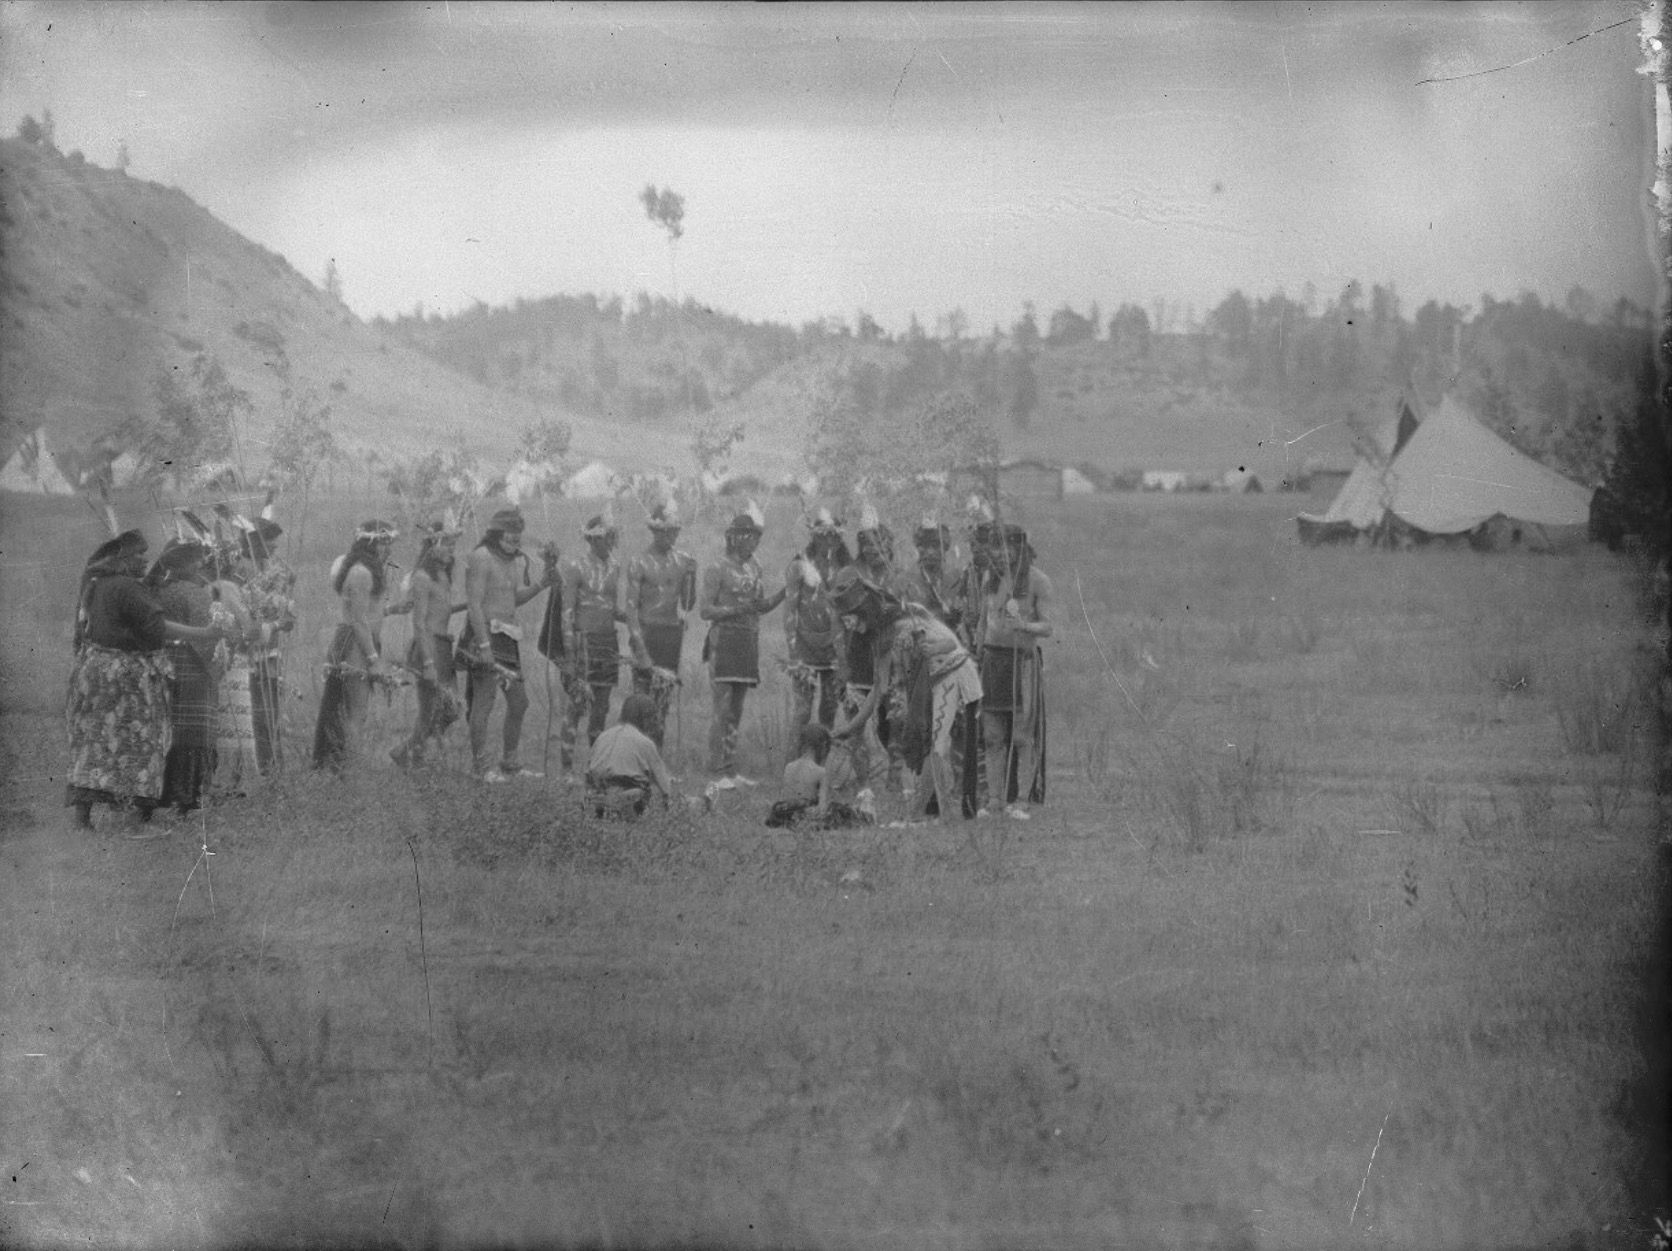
[[661, 587], [496, 583], [430, 654], [355, 658]]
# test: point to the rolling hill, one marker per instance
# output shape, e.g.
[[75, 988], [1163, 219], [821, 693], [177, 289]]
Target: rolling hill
[[107, 282]]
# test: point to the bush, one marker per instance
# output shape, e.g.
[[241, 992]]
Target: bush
[[1596, 707]]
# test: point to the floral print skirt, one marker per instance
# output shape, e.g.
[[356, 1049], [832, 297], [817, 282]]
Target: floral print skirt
[[117, 714]]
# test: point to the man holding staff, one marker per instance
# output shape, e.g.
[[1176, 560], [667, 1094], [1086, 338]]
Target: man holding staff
[[661, 588], [496, 583]]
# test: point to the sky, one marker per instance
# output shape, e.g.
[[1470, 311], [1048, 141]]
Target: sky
[[894, 159]]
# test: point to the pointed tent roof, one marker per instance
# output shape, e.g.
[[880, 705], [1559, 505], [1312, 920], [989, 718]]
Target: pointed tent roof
[[1454, 473], [1449, 474], [1361, 501], [33, 468]]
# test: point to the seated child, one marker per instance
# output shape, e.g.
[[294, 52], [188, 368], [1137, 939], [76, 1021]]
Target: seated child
[[624, 764], [811, 787]]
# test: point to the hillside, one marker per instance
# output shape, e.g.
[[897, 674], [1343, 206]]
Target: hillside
[[109, 281], [109, 284]]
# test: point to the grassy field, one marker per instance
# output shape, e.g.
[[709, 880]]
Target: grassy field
[[1341, 928]]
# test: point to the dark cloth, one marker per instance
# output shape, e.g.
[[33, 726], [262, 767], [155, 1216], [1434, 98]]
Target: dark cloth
[[972, 777], [506, 652], [664, 643], [337, 701], [123, 615], [1000, 690], [550, 644], [789, 814], [503, 648], [917, 738], [1016, 729], [119, 731], [617, 796], [736, 651], [601, 656], [862, 660], [193, 699]]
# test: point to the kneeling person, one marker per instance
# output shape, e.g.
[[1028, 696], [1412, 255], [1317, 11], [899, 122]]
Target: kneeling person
[[624, 765]]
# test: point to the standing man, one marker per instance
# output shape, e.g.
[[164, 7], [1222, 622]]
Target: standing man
[[496, 584], [811, 625], [874, 549], [430, 654], [932, 584], [874, 545], [592, 596], [268, 593], [661, 588], [734, 599], [1014, 618]]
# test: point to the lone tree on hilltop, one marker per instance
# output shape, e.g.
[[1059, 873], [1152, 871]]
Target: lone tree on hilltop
[[667, 209]]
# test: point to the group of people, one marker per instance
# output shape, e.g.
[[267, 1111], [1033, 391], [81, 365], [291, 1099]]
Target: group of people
[[927, 680], [933, 671], [174, 686]]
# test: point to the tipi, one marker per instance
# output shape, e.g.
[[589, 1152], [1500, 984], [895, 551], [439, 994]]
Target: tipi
[[33, 468], [1444, 473]]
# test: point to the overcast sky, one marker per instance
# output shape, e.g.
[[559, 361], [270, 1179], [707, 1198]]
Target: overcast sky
[[894, 159]]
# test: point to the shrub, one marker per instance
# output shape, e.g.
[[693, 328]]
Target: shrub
[[1595, 708]]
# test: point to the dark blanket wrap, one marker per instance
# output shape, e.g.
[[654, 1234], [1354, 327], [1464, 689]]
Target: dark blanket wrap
[[736, 651]]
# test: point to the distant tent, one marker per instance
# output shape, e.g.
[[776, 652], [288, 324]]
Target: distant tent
[[1240, 482], [1076, 483], [1164, 480], [593, 481], [33, 468], [1447, 474]]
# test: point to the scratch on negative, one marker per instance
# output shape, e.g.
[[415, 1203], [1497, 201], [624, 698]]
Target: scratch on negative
[[1310, 433], [1457, 477], [901, 80], [1367, 1169]]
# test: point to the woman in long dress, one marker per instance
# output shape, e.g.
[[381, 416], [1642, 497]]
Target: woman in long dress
[[117, 710]]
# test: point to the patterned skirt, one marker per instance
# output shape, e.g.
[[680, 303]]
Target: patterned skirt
[[235, 764], [117, 714]]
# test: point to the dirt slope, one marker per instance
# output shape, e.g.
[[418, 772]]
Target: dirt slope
[[108, 280]]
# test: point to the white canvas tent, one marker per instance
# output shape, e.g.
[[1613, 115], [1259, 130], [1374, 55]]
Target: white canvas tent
[[1447, 474], [32, 468], [1076, 483], [1455, 474]]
